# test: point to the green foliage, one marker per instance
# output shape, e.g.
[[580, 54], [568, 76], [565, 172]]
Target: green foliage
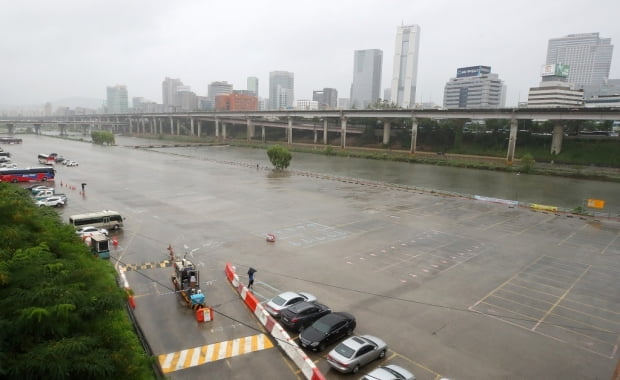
[[279, 156], [62, 314], [102, 137], [527, 163]]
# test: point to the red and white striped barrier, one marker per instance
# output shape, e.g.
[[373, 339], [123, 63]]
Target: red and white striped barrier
[[296, 354]]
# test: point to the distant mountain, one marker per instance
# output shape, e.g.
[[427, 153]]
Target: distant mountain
[[77, 101]]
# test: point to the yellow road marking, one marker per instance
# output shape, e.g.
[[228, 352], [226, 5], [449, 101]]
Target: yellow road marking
[[562, 297], [221, 350], [610, 243]]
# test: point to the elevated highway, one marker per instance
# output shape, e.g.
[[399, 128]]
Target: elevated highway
[[322, 121]]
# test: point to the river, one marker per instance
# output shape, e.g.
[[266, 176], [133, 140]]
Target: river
[[566, 193]]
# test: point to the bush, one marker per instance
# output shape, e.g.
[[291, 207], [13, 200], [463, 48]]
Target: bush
[[527, 163], [279, 156]]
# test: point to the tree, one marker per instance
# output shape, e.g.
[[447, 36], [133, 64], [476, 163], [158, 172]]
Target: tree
[[102, 137], [62, 315], [279, 156]]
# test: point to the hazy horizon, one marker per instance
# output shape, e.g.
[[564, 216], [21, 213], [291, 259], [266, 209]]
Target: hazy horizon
[[67, 49]]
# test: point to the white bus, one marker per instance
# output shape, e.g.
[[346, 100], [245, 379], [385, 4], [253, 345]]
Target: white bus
[[101, 219]]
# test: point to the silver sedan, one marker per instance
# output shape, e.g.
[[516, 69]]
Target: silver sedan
[[389, 372], [356, 352]]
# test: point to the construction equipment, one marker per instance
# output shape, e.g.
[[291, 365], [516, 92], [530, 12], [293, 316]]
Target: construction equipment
[[186, 281]]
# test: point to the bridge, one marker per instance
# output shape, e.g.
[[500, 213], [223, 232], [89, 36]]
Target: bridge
[[335, 121]]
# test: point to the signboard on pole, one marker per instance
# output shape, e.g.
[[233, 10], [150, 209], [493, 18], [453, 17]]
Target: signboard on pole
[[595, 203]]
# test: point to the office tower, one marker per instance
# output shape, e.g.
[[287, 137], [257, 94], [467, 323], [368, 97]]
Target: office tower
[[474, 87], [169, 91], [405, 73], [186, 98], [366, 87], [253, 85], [281, 90], [326, 98], [555, 90], [219, 88], [587, 55], [117, 99]]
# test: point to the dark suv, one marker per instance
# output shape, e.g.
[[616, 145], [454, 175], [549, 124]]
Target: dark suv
[[302, 314], [326, 330]]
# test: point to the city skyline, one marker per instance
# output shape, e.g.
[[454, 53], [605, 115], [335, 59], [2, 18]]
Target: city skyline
[[56, 51]]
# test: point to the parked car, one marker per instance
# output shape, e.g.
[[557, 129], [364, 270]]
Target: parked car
[[53, 201], [90, 229], [389, 372], [326, 330], [356, 352], [283, 300], [302, 315], [37, 188], [8, 165], [70, 163]]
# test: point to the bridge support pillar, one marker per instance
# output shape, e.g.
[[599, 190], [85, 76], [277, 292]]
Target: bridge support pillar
[[289, 131], [154, 125], [130, 125], [223, 131], [325, 132], [191, 126], [63, 129], [343, 132], [143, 125], [198, 126], [414, 135], [556, 138], [512, 141], [250, 129], [387, 129], [179, 127], [262, 134], [316, 136], [171, 126], [217, 128]]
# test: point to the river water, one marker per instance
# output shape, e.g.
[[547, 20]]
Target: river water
[[566, 193]]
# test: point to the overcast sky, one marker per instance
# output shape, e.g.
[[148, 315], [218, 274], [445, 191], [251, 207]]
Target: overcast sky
[[52, 50]]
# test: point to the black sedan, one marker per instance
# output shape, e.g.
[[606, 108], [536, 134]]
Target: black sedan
[[326, 330], [302, 314]]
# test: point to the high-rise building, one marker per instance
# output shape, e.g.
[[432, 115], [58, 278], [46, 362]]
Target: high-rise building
[[281, 90], [253, 85], [405, 73], [587, 55], [326, 98], [186, 98], [219, 88], [117, 99], [237, 101], [169, 92], [366, 87], [474, 87], [555, 90]]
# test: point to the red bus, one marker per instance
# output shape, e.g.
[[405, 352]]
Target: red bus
[[27, 175]]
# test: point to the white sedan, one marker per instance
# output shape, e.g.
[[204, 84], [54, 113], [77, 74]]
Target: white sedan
[[283, 300], [71, 163], [53, 201], [84, 231]]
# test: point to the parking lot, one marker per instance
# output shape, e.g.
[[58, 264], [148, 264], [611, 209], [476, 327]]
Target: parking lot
[[457, 288]]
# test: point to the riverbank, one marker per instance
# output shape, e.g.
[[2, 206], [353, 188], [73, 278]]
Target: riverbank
[[590, 172]]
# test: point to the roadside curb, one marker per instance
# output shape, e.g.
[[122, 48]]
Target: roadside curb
[[292, 350]]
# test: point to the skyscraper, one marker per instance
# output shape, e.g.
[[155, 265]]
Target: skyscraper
[[117, 99], [474, 87], [253, 85], [587, 55], [281, 90], [366, 87], [405, 73], [169, 91], [326, 98]]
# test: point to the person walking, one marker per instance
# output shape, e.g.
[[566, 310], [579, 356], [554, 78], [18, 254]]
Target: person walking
[[251, 272]]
